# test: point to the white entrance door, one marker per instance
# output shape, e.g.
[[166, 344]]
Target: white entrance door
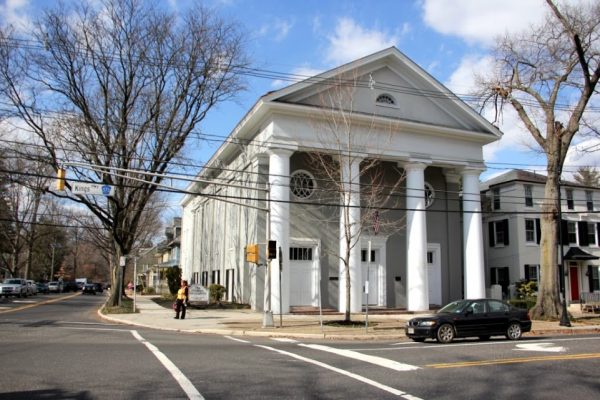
[[301, 283], [434, 274], [373, 276]]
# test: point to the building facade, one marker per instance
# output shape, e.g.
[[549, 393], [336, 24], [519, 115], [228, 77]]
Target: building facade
[[375, 154], [512, 230]]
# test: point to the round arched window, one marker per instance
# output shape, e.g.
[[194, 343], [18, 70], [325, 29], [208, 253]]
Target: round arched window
[[429, 195], [302, 184]]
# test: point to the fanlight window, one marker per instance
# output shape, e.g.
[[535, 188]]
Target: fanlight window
[[385, 99], [302, 184], [429, 195]]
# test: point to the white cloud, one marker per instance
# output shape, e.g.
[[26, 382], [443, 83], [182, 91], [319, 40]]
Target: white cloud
[[480, 22], [297, 75], [277, 29], [584, 153], [14, 12], [351, 41]]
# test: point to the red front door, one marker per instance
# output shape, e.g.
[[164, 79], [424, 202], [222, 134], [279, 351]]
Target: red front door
[[574, 276]]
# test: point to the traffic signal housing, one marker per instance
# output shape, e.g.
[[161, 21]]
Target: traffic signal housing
[[272, 249], [60, 179], [252, 254]]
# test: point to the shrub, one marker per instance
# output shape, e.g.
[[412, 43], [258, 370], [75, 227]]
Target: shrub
[[216, 292], [149, 290], [174, 279], [526, 289]]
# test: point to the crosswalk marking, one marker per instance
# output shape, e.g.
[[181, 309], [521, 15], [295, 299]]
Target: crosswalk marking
[[383, 362], [285, 340]]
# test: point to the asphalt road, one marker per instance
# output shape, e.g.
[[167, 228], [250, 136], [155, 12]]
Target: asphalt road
[[62, 350]]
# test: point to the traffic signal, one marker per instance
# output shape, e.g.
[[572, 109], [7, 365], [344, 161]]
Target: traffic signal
[[60, 179], [272, 249], [252, 253]]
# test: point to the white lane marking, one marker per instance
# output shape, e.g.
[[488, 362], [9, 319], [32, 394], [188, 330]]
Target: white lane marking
[[544, 347], [183, 381], [382, 362], [285, 340], [94, 329], [342, 372], [236, 339]]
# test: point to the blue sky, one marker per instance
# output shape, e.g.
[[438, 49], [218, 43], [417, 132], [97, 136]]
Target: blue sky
[[448, 38]]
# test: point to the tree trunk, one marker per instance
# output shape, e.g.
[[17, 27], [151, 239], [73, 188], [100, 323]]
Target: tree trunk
[[548, 305]]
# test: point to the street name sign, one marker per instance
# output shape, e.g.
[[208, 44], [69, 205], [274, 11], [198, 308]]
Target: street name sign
[[92, 188]]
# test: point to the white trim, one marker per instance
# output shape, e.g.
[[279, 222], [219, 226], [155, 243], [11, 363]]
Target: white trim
[[378, 243]]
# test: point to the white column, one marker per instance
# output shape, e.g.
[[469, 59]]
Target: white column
[[349, 234], [474, 274], [416, 238], [279, 183]]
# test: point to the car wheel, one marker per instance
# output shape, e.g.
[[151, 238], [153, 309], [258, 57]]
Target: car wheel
[[513, 332], [445, 333]]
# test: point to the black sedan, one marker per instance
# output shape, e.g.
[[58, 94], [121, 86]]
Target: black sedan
[[89, 288], [466, 318]]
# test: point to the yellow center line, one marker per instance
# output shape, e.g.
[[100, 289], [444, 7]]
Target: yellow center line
[[515, 360], [39, 304]]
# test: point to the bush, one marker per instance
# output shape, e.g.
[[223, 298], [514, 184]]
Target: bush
[[174, 279], [526, 289], [149, 290], [216, 292]]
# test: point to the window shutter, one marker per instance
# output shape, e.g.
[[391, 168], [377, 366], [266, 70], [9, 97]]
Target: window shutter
[[491, 232], [590, 276], [565, 232], [582, 227], [538, 230], [526, 272], [505, 229]]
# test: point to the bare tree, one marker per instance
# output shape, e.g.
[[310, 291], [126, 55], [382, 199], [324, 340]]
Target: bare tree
[[548, 76], [588, 176], [120, 86], [349, 176]]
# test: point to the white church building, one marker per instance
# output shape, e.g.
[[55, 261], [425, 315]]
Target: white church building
[[375, 154]]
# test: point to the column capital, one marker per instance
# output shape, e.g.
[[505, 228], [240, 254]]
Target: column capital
[[412, 165], [280, 151], [472, 171]]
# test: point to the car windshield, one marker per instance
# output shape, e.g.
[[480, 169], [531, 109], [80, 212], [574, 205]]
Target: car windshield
[[12, 281], [455, 307]]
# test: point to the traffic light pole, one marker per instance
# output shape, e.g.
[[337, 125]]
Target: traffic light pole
[[268, 313]]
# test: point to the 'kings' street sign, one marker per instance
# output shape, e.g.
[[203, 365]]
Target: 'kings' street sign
[[92, 188]]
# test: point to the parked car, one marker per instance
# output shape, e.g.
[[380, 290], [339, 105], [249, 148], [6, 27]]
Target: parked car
[[13, 287], [31, 288], [466, 318], [55, 286], [42, 287], [89, 288], [99, 287], [70, 286]]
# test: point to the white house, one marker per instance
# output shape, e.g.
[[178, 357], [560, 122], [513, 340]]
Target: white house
[[512, 220], [264, 183]]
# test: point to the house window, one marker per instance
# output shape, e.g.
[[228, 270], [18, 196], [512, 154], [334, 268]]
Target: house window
[[532, 272], [195, 278], [530, 231], [430, 258], [429, 195], [589, 200], [500, 276], [204, 278], [216, 277], [591, 234], [498, 233], [528, 196], [572, 231], [385, 99], [363, 256], [496, 198], [302, 184], [594, 278], [570, 202], [301, 254]]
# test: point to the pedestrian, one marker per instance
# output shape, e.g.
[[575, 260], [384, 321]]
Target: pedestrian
[[130, 287], [182, 300]]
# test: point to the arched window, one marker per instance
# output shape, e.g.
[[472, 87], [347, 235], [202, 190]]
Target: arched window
[[302, 184], [429, 195], [385, 99]]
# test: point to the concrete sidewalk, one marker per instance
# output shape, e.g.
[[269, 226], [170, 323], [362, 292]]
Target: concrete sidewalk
[[249, 323]]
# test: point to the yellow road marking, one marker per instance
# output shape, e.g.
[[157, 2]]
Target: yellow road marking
[[515, 360], [40, 303]]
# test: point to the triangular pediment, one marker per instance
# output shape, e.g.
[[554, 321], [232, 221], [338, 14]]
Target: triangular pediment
[[405, 92]]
